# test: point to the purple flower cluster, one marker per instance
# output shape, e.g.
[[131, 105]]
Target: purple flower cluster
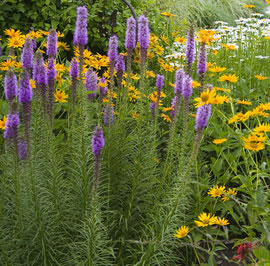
[[187, 88], [11, 126], [25, 91], [144, 32], [52, 43], [120, 63], [190, 49], [22, 150], [80, 35], [39, 71], [10, 86], [51, 72], [202, 116], [108, 115], [179, 78], [201, 68], [27, 54], [159, 81], [91, 83], [130, 41], [97, 141], [74, 68], [113, 48]]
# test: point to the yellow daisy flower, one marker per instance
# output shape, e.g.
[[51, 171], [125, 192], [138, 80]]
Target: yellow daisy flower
[[205, 219], [230, 78], [16, 42], [166, 118], [217, 69], [205, 98], [3, 122], [243, 102], [195, 84], [222, 222], [181, 40], [60, 96], [262, 128], [216, 191], [181, 232], [219, 141], [260, 77]]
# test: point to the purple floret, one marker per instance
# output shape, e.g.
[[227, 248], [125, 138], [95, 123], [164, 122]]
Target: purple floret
[[98, 141], [80, 35], [202, 116]]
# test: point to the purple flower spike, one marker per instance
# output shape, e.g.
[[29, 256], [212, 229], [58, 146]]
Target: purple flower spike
[[34, 43], [22, 150], [130, 41], [52, 43], [74, 68], [98, 141], [159, 82], [202, 65], [179, 80], [25, 91], [144, 32], [80, 35], [120, 64], [51, 72], [190, 49], [108, 115], [27, 54], [39, 71], [202, 116], [187, 88], [113, 48], [10, 86], [11, 126], [91, 83], [174, 101]]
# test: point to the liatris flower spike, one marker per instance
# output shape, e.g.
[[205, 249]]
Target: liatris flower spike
[[51, 75], [22, 150], [202, 65], [80, 35], [91, 83], [11, 126], [190, 49], [10, 86], [179, 80], [187, 88], [120, 68], [52, 43], [130, 40], [108, 115], [113, 48], [144, 32], [202, 116], [27, 54]]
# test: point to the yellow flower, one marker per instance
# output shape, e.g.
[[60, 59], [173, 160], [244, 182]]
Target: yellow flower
[[230, 78], [231, 191], [15, 42], [205, 98], [3, 122], [221, 89], [164, 39], [248, 6], [150, 74], [262, 128], [167, 67], [63, 45], [166, 109], [135, 115], [222, 222], [206, 219], [6, 65], [229, 46], [181, 40], [225, 198], [260, 77], [167, 14], [166, 118], [243, 102], [59, 79], [34, 34], [219, 141], [214, 51], [60, 96], [255, 137], [239, 117], [181, 232], [159, 49], [216, 191], [12, 33], [32, 84], [217, 69], [220, 99], [206, 36], [195, 84], [266, 37], [254, 146], [134, 76]]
